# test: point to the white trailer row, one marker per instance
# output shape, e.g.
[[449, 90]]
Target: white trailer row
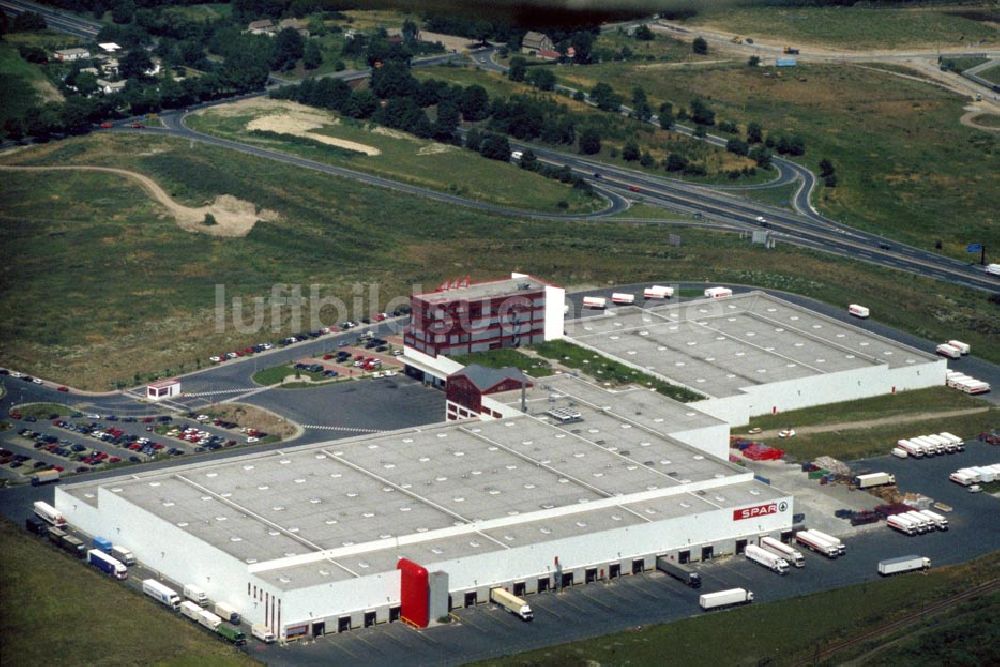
[[976, 474], [929, 445], [821, 543], [917, 522], [966, 383]]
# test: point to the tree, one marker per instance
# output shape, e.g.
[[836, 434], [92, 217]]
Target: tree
[[761, 155], [28, 22], [666, 115], [474, 103], [473, 139], [737, 147], [676, 162], [541, 78], [583, 44], [86, 83], [753, 61], [640, 105], [631, 152], [313, 56], [209, 220], [447, 121], [288, 48], [495, 147], [755, 133], [700, 113], [518, 66], [830, 180], [393, 79], [123, 11], [134, 64], [410, 31], [699, 46], [825, 167], [605, 98], [700, 132], [590, 141], [647, 160], [529, 161], [644, 33]]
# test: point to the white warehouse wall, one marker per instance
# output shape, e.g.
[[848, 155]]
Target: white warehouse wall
[[338, 598], [713, 440], [555, 303]]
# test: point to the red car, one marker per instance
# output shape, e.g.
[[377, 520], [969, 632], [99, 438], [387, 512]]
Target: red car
[[62, 388], [136, 126], [633, 188], [106, 125]]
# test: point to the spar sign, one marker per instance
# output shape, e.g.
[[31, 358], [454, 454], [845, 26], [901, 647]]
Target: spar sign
[[759, 511]]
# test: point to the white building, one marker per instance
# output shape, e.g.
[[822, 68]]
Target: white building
[[754, 354], [307, 540], [157, 391]]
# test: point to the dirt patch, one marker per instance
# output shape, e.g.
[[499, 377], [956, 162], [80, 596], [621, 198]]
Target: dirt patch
[[395, 134], [301, 126], [233, 217], [243, 107], [435, 149], [871, 423], [251, 416]]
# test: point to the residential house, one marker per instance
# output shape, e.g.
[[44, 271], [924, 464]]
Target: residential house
[[110, 87], [70, 55], [262, 27], [535, 42]]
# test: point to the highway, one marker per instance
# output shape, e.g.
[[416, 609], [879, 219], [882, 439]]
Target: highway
[[59, 20]]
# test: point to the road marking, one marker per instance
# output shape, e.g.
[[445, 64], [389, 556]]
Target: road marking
[[345, 429], [199, 394]]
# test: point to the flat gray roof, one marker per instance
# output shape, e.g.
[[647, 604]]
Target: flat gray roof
[[720, 346], [486, 290], [479, 485]]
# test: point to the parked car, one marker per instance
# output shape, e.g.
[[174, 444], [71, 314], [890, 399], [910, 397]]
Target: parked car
[[61, 388]]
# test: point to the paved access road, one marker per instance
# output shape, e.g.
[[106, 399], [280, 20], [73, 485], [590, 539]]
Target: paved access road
[[62, 21]]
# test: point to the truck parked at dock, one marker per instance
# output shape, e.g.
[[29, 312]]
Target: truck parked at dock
[[161, 593], [779, 548], [681, 573], [107, 564], [511, 603]]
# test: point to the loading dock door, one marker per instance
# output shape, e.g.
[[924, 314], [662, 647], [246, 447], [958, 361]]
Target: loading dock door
[[319, 629], [707, 553], [543, 584], [637, 565], [470, 599], [741, 546], [590, 575], [369, 619], [394, 614], [519, 588], [614, 571], [567, 579], [343, 624], [684, 557]]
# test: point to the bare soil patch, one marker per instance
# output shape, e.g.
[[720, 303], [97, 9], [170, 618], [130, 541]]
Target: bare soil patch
[[301, 126], [252, 416], [233, 217]]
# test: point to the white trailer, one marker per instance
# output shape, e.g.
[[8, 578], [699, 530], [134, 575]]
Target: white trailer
[[161, 593], [858, 311], [793, 556], [925, 445], [924, 525], [891, 566], [622, 299], [841, 549], [190, 610], [263, 633], [949, 351], [49, 514], [227, 612], [911, 448], [718, 292], [658, 292], [940, 522], [962, 478], [964, 348], [993, 269], [596, 302], [940, 444], [208, 619], [899, 452], [955, 439], [810, 541], [727, 598], [511, 603], [123, 555], [903, 524], [765, 558], [874, 479], [195, 594]]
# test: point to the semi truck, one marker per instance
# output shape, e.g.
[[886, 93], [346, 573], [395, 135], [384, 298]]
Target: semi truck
[[227, 613], [195, 594], [44, 477], [263, 633], [597, 302], [161, 593], [727, 598], [946, 350], [233, 635], [903, 524], [874, 479], [766, 559], [718, 292], [681, 573], [940, 522], [658, 292], [511, 603], [190, 610], [49, 514], [841, 549], [911, 448], [73, 545], [103, 544], [964, 348], [622, 299], [820, 546], [208, 619], [56, 535], [107, 564], [779, 548], [891, 566], [858, 311], [123, 555]]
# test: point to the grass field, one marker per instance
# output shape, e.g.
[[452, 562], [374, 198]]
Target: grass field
[[406, 158], [506, 358], [779, 196], [659, 48], [44, 410], [991, 73], [932, 399], [989, 120], [122, 292], [857, 27], [94, 620], [276, 374], [855, 443], [790, 632], [21, 84], [962, 63], [901, 156]]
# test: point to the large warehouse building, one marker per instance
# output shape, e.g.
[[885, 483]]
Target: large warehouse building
[[588, 485], [754, 354]]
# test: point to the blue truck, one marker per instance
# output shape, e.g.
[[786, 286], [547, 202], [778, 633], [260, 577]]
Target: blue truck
[[103, 544]]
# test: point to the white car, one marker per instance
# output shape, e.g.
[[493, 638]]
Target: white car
[[215, 359], [975, 488], [397, 353], [252, 439], [37, 381], [760, 218], [754, 431], [786, 433], [231, 355], [92, 416], [16, 374], [377, 374], [388, 374], [203, 418]]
